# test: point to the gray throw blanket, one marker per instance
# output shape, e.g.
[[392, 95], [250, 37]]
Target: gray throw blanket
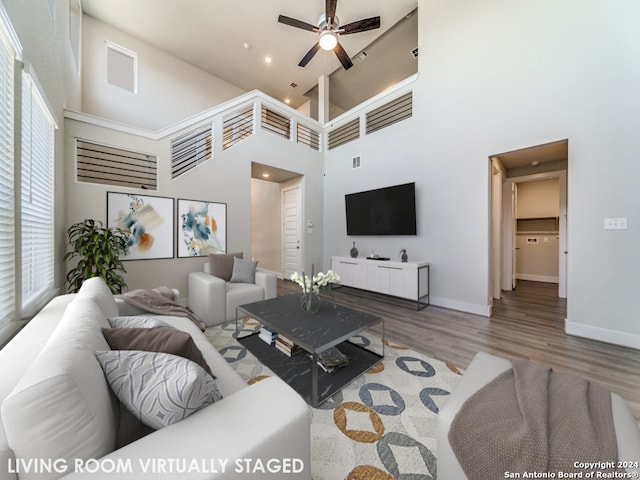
[[160, 301], [530, 419]]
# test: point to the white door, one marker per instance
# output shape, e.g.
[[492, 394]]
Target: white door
[[291, 221]]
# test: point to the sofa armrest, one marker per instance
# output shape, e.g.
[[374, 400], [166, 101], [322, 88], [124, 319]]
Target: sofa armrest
[[266, 422], [207, 298], [268, 281]]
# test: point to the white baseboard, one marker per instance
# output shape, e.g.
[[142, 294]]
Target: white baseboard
[[537, 278], [483, 310], [616, 337]]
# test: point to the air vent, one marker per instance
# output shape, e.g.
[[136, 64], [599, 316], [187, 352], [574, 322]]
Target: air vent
[[344, 134], [355, 162], [392, 112], [106, 165], [237, 126], [414, 52], [293, 84], [190, 150]]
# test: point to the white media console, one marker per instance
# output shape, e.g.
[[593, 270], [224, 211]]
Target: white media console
[[406, 280]]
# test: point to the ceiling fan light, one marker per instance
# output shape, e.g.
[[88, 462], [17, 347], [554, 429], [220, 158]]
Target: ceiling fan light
[[328, 40]]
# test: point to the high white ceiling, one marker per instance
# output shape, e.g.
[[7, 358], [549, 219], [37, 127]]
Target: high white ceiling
[[211, 35]]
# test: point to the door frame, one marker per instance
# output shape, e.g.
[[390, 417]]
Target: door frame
[[508, 226], [300, 187]]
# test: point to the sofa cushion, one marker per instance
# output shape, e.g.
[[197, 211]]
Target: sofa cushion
[[244, 271], [137, 321], [158, 388], [62, 408], [165, 340], [96, 288], [221, 264]]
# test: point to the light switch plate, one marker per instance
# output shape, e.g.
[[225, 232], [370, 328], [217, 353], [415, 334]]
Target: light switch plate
[[615, 223]]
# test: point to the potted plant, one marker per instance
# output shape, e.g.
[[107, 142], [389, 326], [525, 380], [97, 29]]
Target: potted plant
[[98, 250]]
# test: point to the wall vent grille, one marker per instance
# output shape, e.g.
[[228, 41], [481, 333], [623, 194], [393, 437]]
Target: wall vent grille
[[392, 112], [190, 150], [237, 126], [308, 137], [355, 162], [106, 165], [276, 123], [344, 134]]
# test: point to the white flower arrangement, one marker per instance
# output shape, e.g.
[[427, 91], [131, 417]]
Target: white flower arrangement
[[315, 283]]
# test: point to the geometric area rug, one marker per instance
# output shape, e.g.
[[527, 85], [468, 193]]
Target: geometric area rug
[[382, 426]]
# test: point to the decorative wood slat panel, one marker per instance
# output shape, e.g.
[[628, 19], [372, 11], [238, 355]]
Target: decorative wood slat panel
[[237, 126], [276, 123], [308, 137], [105, 165], [391, 112], [344, 134], [191, 149]]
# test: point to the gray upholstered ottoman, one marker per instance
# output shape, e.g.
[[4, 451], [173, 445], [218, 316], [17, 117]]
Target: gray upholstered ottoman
[[484, 368]]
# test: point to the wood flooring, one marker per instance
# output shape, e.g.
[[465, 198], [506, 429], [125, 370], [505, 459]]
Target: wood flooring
[[527, 323]]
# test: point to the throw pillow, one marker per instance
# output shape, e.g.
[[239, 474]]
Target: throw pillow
[[137, 321], [221, 264], [173, 341], [244, 271], [158, 388]]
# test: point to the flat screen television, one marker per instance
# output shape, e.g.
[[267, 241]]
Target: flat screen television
[[383, 211]]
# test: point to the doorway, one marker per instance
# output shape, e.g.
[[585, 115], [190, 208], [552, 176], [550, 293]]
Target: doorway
[[529, 233], [276, 219]]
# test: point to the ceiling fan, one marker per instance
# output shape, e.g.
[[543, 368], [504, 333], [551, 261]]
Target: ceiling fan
[[329, 30]]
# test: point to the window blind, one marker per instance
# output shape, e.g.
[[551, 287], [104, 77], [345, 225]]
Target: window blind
[[7, 226], [37, 197]]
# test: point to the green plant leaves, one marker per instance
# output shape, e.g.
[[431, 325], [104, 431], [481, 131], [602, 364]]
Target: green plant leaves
[[98, 250]]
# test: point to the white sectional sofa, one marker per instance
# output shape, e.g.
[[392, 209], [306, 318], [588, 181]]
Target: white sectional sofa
[[58, 411]]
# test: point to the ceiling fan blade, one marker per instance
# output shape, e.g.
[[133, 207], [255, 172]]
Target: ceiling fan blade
[[292, 22], [343, 56], [310, 54], [330, 9], [361, 25]]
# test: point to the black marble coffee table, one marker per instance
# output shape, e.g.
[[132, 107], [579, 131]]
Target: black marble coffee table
[[330, 326]]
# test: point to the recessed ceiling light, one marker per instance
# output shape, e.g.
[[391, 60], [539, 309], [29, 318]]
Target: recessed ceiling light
[[267, 59], [265, 175], [246, 46], [535, 163], [287, 101]]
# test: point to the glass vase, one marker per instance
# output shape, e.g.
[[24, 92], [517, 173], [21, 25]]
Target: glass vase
[[310, 302]]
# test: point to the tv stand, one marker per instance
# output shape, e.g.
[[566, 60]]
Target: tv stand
[[405, 280]]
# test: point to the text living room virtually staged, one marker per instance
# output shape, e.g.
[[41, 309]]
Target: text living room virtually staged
[[457, 181]]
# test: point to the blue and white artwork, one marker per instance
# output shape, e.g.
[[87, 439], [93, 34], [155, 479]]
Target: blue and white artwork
[[147, 221], [202, 228]]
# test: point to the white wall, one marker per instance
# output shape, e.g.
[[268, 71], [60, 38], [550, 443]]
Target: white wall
[[226, 178], [266, 224], [169, 90], [497, 76]]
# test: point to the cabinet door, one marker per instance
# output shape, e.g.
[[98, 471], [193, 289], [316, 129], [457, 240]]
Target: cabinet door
[[348, 272], [378, 279], [403, 283]]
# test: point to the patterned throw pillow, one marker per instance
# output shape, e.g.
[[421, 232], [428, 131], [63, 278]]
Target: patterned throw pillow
[[158, 388], [244, 271], [137, 321]]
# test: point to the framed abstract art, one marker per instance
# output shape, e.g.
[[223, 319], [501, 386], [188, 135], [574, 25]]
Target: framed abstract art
[[201, 227], [148, 221]]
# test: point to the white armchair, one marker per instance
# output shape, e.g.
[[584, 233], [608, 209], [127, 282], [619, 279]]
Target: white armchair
[[214, 300]]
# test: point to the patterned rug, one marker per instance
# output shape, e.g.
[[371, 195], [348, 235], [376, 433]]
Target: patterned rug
[[382, 426]]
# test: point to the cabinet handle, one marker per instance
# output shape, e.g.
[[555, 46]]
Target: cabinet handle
[[390, 268], [348, 263]]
